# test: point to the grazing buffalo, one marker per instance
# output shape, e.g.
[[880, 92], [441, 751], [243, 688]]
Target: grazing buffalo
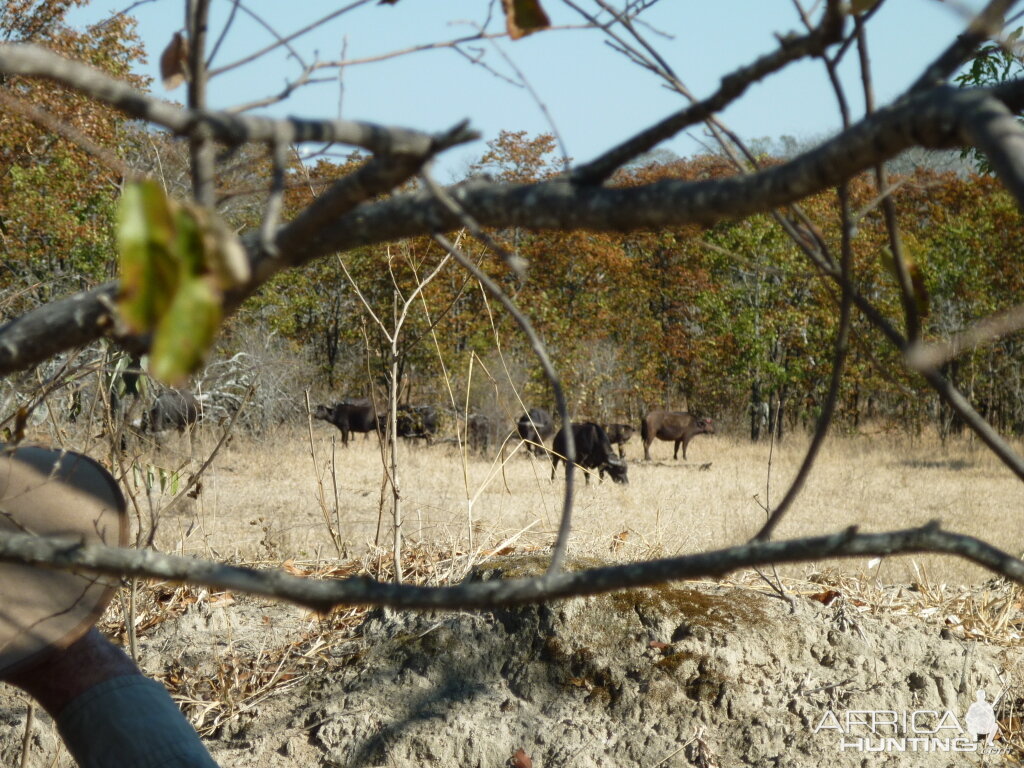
[[593, 451], [535, 427], [172, 409], [619, 434], [679, 426], [355, 415], [416, 421], [479, 432]]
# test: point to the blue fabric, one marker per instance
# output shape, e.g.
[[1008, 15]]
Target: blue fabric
[[130, 722]]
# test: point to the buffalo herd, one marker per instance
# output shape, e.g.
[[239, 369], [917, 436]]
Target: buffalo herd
[[179, 409], [593, 442]]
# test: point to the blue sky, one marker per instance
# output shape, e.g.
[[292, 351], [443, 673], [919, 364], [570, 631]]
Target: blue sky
[[594, 96]]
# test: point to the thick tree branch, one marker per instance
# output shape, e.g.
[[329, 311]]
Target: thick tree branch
[[377, 177], [57, 327], [33, 61], [201, 147], [69, 554], [924, 356], [994, 130], [934, 120]]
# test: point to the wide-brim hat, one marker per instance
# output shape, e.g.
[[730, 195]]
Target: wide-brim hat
[[54, 493]]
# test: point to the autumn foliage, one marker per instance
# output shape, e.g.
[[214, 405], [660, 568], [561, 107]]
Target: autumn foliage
[[56, 199], [709, 318]]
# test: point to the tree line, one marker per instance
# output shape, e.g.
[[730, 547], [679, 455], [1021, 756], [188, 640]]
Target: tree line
[[726, 319]]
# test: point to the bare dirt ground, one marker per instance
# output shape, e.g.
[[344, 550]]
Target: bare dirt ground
[[690, 674]]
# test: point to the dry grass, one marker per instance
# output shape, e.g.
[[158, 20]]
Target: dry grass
[[259, 500]]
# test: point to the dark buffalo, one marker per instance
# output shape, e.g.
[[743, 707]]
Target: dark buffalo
[[535, 427], [480, 432], [619, 434], [593, 451], [172, 409], [416, 421], [354, 415], [678, 426]]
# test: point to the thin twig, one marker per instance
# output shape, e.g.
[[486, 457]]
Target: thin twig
[[911, 314], [201, 149], [47, 120], [284, 41], [733, 86], [26, 739], [536, 343]]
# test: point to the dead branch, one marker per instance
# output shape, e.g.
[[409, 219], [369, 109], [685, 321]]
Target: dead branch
[[67, 553], [33, 61]]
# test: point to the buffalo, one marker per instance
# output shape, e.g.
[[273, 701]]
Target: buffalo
[[480, 431], [353, 415], [593, 451], [677, 426], [535, 427], [172, 409], [416, 421], [619, 434]]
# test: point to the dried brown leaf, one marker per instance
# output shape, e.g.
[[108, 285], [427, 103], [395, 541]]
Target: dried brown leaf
[[174, 62], [827, 597], [523, 17]]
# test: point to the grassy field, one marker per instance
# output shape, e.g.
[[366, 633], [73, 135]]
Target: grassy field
[[260, 500]]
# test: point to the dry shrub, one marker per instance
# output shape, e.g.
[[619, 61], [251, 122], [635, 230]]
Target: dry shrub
[[255, 369]]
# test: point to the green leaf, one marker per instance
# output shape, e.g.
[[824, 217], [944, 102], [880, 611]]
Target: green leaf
[[176, 261], [148, 264], [186, 331]]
